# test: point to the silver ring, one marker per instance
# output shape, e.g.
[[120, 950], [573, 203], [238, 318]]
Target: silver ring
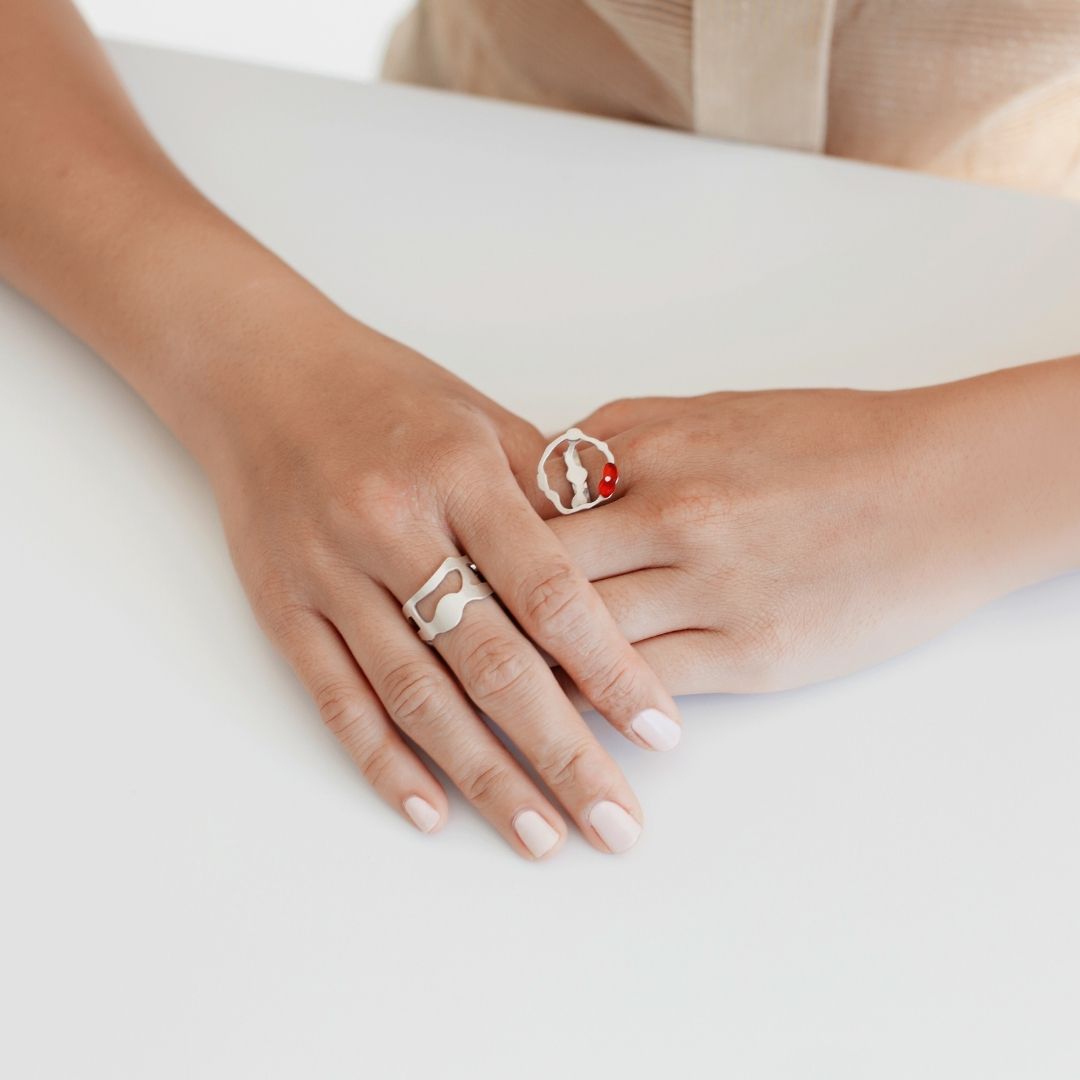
[[451, 607], [577, 474]]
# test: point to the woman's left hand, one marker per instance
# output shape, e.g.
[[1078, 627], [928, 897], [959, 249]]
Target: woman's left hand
[[759, 541]]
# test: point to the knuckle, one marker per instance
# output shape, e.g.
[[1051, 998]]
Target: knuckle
[[345, 716], [572, 764], [459, 469], [276, 598], [493, 668], [337, 706], [485, 785], [457, 452], [413, 694], [552, 602], [613, 414], [375, 762], [283, 619], [463, 442], [377, 498], [650, 446], [614, 689]]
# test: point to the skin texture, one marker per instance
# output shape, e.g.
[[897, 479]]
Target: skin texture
[[766, 540], [757, 540], [346, 466], [348, 480]]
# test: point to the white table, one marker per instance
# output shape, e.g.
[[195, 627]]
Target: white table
[[878, 877]]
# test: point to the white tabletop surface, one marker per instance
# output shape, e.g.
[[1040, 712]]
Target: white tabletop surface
[[878, 877]]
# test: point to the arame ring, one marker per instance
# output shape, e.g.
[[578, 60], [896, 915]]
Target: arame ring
[[577, 474], [451, 607]]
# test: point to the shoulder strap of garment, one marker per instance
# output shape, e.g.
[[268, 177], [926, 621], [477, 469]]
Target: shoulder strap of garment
[[761, 70]]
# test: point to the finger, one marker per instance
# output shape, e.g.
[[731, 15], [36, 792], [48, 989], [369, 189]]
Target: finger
[[624, 459], [618, 416], [423, 700], [350, 709], [649, 603], [701, 662], [555, 605], [661, 604], [609, 540], [509, 681], [523, 447]]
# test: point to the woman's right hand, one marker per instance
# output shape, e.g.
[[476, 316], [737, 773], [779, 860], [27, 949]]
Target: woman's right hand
[[347, 468]]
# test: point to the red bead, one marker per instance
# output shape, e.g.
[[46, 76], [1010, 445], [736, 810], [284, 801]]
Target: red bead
[[608, 479]]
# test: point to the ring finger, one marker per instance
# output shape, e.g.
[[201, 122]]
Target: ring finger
[[505, 676], [428, 706]]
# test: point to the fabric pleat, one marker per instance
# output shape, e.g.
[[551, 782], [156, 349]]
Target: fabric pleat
[[985, 90]]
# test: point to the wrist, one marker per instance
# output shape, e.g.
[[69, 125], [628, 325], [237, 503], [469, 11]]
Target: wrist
[[215, 330], [248, 372], [1000, 458]]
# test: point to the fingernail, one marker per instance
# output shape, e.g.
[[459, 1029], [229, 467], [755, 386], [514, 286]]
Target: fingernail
[[424, 816], [615, 826], [535, 833], [656, 729]]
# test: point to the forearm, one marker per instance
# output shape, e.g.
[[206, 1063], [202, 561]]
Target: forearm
[[1007, 448], [101, 229]]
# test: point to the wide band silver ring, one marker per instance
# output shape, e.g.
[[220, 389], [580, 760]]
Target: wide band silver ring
[[451, 607], [577, 474]]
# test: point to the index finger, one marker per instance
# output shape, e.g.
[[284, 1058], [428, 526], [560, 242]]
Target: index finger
[[558, 608]]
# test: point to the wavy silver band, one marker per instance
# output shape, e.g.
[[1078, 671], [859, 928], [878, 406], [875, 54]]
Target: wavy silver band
[[451, 607]]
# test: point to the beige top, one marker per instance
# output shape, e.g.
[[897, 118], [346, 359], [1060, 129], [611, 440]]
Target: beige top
[[984, 90]]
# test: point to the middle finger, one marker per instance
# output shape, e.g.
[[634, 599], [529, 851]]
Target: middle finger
[[506, 677]]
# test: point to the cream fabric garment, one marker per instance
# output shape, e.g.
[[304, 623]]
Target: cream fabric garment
[[984, 90]]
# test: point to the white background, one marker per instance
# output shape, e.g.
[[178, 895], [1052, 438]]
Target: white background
[[332, 37], [872, 879]]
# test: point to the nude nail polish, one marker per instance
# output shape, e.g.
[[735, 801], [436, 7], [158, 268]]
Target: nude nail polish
[[614, 826], [535, 833], [424, 816], [656, 729]]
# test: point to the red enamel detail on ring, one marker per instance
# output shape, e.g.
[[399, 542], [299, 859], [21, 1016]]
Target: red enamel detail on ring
[[608, 479]]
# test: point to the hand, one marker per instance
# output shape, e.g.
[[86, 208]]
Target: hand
[[345, 478], [347, 467], [760, 541]]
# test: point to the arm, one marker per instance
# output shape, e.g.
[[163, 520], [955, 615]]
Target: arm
[[346, 466], [790, 536], [103, 231]]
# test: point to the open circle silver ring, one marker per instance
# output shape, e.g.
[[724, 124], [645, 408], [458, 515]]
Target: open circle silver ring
[[451, 606], [577, 474]]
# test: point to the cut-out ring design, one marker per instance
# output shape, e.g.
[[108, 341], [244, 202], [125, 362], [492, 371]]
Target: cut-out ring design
[[451, 607], [577, 474]]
